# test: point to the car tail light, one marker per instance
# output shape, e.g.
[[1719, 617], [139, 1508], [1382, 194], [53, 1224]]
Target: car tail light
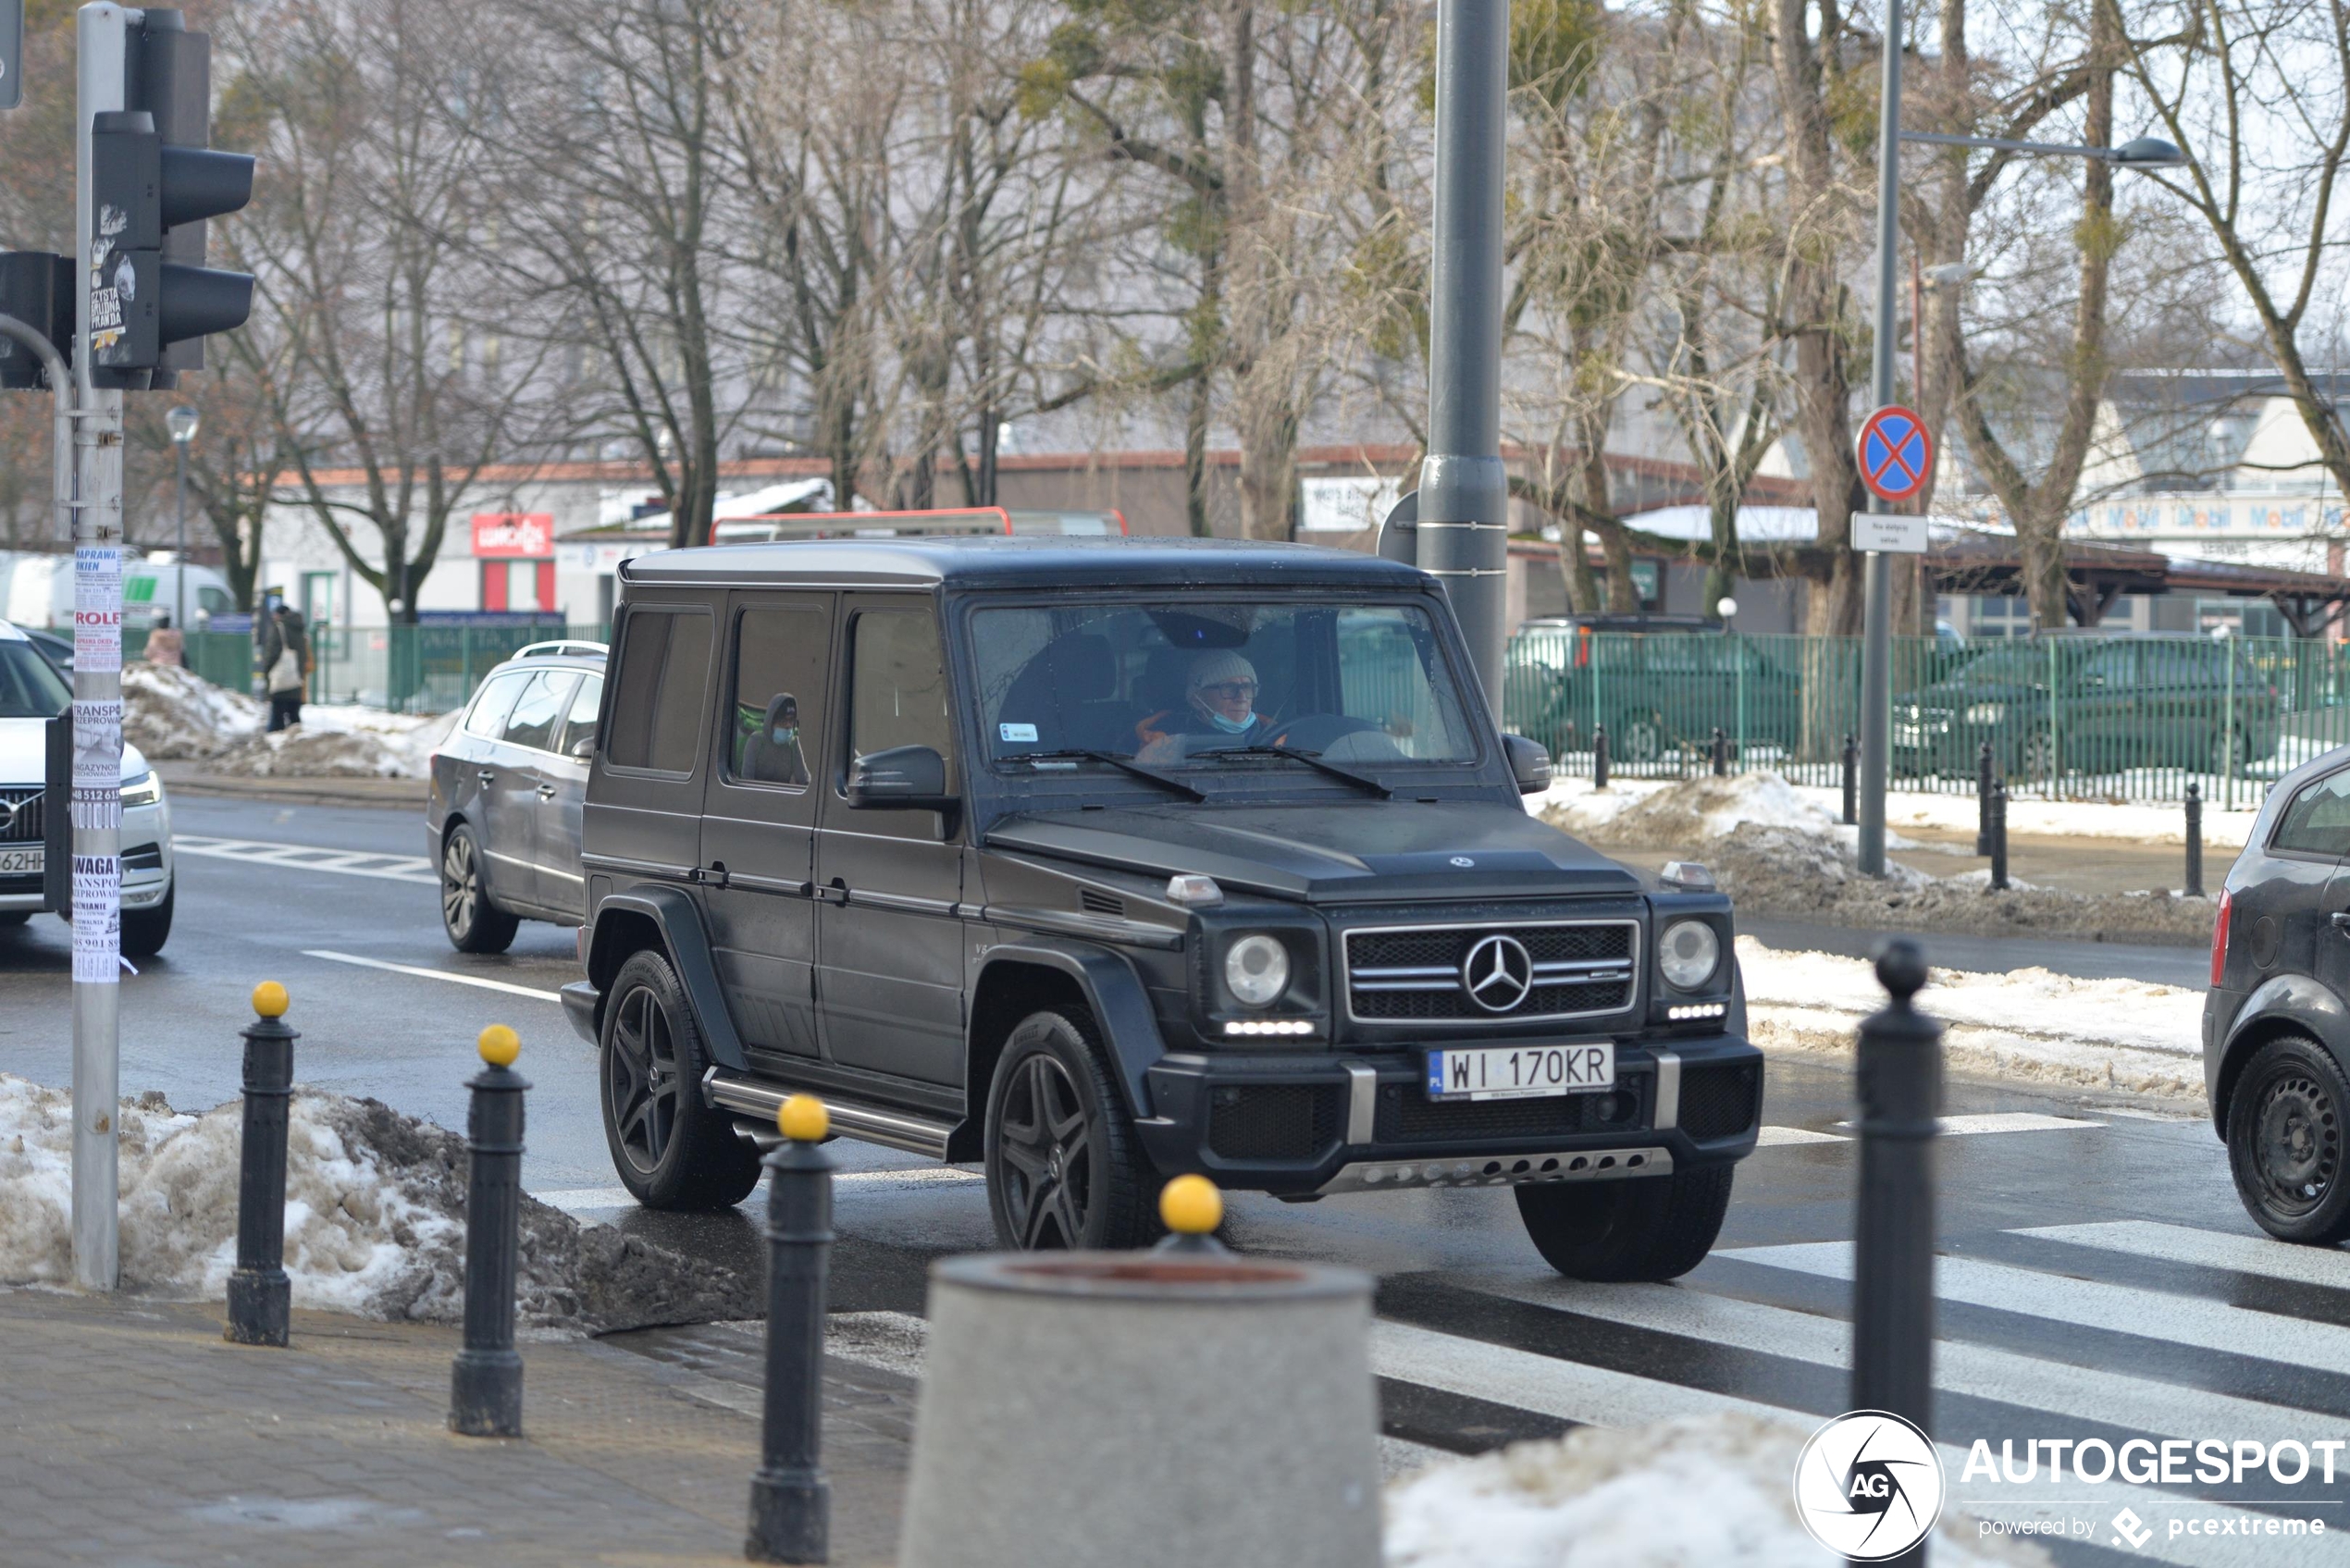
[[2219, 937]]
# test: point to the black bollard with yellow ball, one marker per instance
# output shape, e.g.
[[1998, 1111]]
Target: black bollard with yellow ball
[[259, 1296], [1191, 1207], [790, 1500], [485, 1388]]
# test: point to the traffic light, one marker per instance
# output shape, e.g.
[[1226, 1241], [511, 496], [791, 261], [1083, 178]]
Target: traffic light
[[154, 182], [37, 288]]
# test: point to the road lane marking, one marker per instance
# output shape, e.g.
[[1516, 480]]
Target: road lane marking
[[1777, 1137], [413, 868], [2120, 1309], [2211, 1249], [422, 974]]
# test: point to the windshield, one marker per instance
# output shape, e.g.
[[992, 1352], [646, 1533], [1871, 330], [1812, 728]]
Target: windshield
[[1191, 682], [29, 688]]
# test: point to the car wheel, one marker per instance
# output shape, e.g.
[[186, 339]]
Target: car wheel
[[671, 1150], [1651, 1228], [1064, 1170], [473, 923], [145, 930], [1637, 739], [2039, 759], [2223, 753], [2285, 1142]]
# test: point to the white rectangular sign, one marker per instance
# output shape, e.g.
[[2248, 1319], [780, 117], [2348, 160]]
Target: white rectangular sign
[[1891, 531]]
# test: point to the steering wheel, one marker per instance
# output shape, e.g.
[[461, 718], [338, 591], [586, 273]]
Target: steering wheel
[[1313, 732]]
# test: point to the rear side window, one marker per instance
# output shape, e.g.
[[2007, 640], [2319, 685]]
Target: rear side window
[[2318, 822], [496, 699], [538, 710], [779, 684], [665, 669]]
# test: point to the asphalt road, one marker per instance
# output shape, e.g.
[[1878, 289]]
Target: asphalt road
[[2098, 1278]]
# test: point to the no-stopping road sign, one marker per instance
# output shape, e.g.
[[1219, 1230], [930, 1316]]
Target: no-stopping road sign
[[1895, 453]]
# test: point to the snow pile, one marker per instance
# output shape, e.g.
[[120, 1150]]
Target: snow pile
[[2025, 1024], [375, 1218], [174, 714], [1601, 1498], [1691, 812]]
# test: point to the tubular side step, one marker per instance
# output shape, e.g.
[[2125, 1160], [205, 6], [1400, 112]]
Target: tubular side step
[[873, 1124]]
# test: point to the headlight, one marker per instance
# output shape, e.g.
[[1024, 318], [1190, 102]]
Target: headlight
[[1688, 953], [1256, 969], [1988, 714], [141, 789]]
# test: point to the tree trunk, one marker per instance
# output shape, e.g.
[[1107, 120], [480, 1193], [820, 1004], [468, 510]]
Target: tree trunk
[[1195, 457]]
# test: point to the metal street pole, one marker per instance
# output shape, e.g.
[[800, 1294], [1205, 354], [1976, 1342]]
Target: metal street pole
[[1877, 648], [97, 707], [1464, 525]]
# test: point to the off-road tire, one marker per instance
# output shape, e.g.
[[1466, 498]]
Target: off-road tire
[[145, 930], [1076, 1176], [670, 1150], [2287, 1134], [1650, 1228], [472, 922]]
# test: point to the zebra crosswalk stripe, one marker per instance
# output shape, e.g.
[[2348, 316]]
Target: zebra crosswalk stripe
[[2209, 1249], [310, 858]]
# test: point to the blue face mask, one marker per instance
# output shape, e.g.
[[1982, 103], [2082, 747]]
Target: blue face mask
[[1230, 726]]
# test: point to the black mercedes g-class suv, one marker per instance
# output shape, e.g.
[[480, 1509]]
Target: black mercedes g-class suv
[[1104, 861]]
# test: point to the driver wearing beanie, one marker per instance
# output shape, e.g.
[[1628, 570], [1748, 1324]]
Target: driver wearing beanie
[[1220, 699]]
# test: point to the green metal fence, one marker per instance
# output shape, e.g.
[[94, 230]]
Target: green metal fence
[[407, 668], [2121, 717]]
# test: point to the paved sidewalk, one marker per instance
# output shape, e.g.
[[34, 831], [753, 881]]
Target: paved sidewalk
[[190, 778], [132, 1435]]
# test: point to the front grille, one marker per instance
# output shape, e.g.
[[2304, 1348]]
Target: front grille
[[20, 820], [1718, 1102], [1415, 974], [1272, 1121], [1409, 1116]]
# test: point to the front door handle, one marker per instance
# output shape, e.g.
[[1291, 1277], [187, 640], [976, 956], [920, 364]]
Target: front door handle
[[487, 776], [837, 893], [546, 791]]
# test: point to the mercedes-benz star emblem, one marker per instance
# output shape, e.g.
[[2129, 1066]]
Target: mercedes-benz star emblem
[[8, 813], [1497, 973]]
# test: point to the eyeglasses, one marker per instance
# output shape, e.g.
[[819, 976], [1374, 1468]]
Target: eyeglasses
[[1232, 691]]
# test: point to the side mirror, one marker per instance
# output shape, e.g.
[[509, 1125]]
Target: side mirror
[[908, 778], [1529, 764], [584, 746]]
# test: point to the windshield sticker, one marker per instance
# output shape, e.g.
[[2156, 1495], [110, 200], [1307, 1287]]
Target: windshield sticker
[[1016, 732]]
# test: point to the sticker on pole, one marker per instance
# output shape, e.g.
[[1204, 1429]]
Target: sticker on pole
[[1895, 453]]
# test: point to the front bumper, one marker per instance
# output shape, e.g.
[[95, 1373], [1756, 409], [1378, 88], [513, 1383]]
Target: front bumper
[[1302, 1126]]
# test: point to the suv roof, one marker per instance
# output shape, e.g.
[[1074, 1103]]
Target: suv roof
[[1021, 562]]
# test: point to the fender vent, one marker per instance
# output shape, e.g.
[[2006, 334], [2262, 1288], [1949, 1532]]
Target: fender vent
[[1095, 903]]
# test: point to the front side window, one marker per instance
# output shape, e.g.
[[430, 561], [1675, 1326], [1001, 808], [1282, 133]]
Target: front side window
[[2318, 822], [1190, 681], [665, 669], [897, 683], [779, 682]]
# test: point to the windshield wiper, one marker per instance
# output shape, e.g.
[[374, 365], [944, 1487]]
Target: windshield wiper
[[1124, 764], [1312, 760]]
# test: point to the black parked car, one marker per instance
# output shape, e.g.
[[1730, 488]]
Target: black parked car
[[502, 820], [1099, 863], [1660, 684], [2276, 1021]]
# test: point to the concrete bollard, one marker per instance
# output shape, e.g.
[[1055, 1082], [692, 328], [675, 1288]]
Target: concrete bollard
[[1999, 835], [1983, 799], [485, 1385], [1599, 757], [260, 1299], [2194, 840], [1851, 781], [1901, 1085], [1165, 1409], [790, 1500], [1721, 751]]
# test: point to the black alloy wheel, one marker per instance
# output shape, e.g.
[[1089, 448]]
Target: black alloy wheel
[[474, 924], [1064, 1170], [2285, 1142], [670, 1150]]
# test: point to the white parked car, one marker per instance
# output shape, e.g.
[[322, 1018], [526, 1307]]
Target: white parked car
[[30, 691]]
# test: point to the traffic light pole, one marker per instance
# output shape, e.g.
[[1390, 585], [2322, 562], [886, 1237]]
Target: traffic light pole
[[97, 705]]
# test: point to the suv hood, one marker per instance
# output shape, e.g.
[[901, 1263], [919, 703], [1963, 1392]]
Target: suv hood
[[23, 753], [1320, 853]]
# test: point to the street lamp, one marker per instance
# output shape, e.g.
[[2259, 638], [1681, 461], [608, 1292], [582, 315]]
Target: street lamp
[[182, 422], [1876, 647]]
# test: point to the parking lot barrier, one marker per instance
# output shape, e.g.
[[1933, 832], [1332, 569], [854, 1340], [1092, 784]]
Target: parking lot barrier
[[2194, 840], [485, 1387], [1900, 1088], [1983, 799], [259, 1294], [1720, 752], [1192, 1208], [1599, 757], [1851, 781], [790, 1499], [1999, 835]]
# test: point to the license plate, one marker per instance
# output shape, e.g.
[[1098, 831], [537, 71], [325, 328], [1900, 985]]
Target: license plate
[[1521, 1072], [20, 861]]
